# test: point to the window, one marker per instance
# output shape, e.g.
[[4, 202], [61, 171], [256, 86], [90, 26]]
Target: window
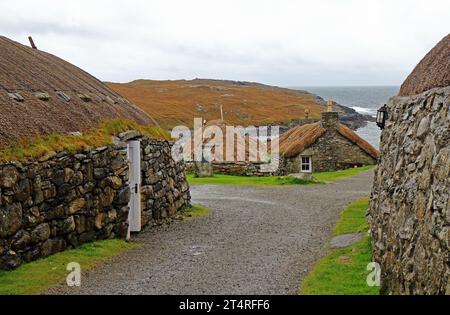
[[306, 164]]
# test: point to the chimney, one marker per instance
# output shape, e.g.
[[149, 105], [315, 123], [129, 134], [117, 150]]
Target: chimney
[[32, 42], [330, 118]]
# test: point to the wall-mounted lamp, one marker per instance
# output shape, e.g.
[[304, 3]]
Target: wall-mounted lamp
[[382, 117]]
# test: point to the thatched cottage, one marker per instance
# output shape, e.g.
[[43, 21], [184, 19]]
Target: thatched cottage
[[71, 196], [324, 146]]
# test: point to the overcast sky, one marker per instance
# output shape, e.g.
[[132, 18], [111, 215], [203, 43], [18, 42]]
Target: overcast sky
[[282, 42]]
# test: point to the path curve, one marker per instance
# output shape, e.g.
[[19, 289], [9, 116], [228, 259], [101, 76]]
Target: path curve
[[257, 240]]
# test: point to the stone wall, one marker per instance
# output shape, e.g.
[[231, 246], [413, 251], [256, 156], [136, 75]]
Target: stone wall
[[331, 152], [165, 189], [235, 168], [409, 211], [69, 199]]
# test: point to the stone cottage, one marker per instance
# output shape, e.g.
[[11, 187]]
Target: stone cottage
[[64, 199], [324, 146], [247, 162], [409, 210]]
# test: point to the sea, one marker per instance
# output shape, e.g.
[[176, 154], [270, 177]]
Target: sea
[[364, 99]]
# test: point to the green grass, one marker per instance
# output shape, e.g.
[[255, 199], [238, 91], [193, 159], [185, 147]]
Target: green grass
[[195, 212], [343, 271], [37, 276], [219, 179], [337, 175], [353, 219]]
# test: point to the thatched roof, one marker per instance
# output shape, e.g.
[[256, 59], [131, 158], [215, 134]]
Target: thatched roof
[[247, 140], [41, 93], [433, 71], [298, 139]]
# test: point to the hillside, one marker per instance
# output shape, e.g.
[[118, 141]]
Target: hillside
[[173, 103]]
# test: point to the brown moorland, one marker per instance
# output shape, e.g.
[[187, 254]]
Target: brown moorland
[[173, 103]]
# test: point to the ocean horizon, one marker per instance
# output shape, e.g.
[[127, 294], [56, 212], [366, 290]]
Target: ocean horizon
[[364, 99]]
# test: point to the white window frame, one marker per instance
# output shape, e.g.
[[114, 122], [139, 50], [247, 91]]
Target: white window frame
[[302, 164]]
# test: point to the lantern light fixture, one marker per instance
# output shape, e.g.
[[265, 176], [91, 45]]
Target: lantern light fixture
[[382, 117]]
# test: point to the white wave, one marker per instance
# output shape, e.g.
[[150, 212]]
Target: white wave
[[365, 111]]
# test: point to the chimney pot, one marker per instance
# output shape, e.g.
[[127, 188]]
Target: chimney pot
[[330, 106]]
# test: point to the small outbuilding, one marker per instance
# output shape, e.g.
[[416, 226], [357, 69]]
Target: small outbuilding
[[324, 146]]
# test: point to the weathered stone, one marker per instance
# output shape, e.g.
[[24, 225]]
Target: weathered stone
[[116, 182], [77, 205], [66, 226], [21, 240], [10, 261], [46, 248], [346, 240], [100, 220], [10, 219], [423, 128], [40, 233], [23, 190], [87, 237], [68, 175], [100, 173], [123, 197], [8, 177], [129, 135]]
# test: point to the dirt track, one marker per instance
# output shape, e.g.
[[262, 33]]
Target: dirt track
[[257, 240]]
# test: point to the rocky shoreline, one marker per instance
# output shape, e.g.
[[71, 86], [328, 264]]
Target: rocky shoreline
[[348, 116]]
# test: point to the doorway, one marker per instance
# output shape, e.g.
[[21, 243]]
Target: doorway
[[134, 161]]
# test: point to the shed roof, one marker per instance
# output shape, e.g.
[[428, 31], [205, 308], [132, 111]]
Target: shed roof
[[41, 93], [298, 139]]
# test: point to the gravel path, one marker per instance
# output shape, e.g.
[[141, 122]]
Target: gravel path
[[257, 240]]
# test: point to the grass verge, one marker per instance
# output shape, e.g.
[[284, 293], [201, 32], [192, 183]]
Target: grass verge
[[35, 147], [343, 271], [38, 276], [195, 212], [337, 175], [219, 179]]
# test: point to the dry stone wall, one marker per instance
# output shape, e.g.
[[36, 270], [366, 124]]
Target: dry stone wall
[[165, 189], [69, 199], [409, 212]]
